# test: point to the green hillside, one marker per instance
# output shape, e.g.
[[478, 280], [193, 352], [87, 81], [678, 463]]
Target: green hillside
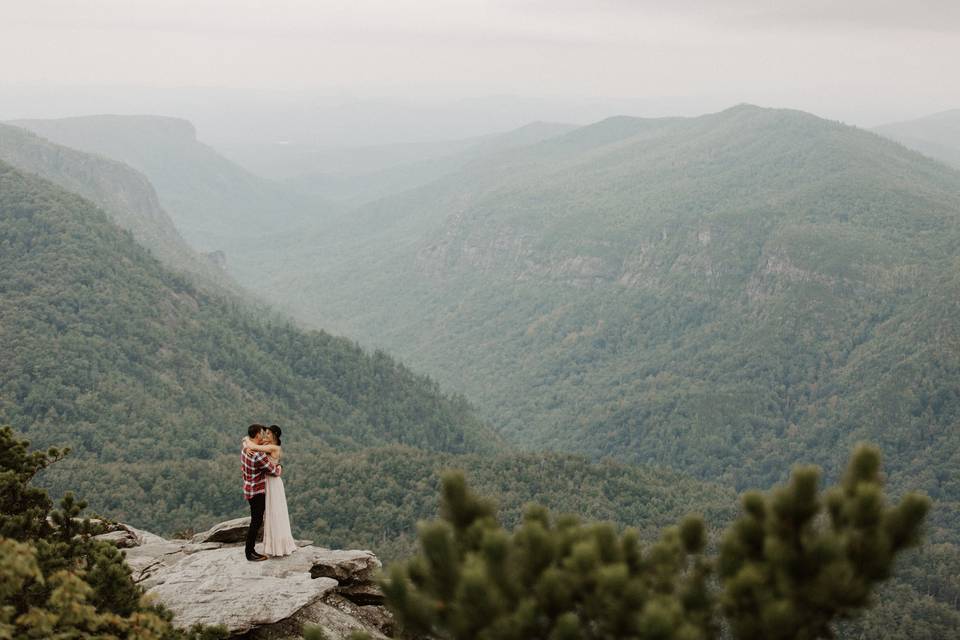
[[212, 200], [123, 193], [937, 135], [152, 383], [724, 295], [109, 353]]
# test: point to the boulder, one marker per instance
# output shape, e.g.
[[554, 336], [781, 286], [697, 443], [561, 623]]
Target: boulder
[[346, 567], [120, 538], [125, 536], [230, 531], [336, 616]]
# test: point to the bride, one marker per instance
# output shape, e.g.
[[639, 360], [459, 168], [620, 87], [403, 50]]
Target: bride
[[277, 538]]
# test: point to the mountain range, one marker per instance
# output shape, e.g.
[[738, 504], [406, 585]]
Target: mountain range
[[723, 296], [125, 194], [212, 200], [356, 176], [151, 382], [714, 294], [936, 135]]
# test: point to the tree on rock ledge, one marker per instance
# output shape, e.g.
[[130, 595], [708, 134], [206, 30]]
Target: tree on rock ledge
[[56, 580], [795, 562]]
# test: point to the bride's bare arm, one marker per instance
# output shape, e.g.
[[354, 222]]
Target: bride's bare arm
[[270, 449]]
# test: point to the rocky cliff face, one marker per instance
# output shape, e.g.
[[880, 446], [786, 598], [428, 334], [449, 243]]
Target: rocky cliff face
[[126, 195], [206, 580]]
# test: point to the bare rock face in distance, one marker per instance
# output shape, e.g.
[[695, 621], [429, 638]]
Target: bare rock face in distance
[[207, 580]]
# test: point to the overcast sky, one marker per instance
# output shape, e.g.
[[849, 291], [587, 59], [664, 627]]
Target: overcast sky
[[863, 61]]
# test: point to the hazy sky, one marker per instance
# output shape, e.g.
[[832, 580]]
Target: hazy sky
[[864, 61]]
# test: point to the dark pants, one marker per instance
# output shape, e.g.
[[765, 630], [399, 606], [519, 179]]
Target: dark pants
[[258, 504]]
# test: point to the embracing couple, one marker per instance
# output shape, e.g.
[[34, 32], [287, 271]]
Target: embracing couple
[[263, 489]]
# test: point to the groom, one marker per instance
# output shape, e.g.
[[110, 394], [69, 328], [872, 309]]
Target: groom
[[254, 465]]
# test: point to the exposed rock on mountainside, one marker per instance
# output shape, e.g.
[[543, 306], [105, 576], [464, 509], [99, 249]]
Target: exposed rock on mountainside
[[210, 582], [125, 194], [213, 202]]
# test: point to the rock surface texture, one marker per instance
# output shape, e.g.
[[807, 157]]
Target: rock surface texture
[[207, 580]]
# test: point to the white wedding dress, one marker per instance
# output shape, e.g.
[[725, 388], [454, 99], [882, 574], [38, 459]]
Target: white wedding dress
[[277, 538]]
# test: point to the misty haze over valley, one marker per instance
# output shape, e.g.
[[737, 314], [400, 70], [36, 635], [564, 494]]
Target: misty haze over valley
[[621, 259]]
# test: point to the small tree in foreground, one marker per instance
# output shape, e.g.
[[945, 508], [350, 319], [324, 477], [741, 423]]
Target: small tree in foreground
[[56, 579], [792, 564]]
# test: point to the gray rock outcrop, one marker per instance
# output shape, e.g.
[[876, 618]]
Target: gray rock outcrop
[[229, 531], [125, 536], [207, 580]]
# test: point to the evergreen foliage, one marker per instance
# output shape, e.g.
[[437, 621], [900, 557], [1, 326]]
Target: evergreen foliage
[[783, 573], [56, 581], [106, 350]]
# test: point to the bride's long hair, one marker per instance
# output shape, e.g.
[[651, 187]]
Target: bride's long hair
[[275, 430]]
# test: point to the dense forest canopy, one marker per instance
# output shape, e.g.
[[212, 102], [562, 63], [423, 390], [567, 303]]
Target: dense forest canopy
[[152, 383], [724, 294], [108, 351], [123, 193]]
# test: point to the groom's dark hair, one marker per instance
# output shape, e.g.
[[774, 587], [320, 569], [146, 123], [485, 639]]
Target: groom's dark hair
[[255, 429]]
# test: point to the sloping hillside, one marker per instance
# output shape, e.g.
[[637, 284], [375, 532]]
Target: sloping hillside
[[125, 194], [212, 200], [937, 135], [108, 352], [153, 383], [362, 175], [725, 294]]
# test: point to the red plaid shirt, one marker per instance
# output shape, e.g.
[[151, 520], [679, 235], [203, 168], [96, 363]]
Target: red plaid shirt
[[254, 465]]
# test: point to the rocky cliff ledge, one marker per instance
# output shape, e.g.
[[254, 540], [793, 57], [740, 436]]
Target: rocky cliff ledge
[[207, 580]]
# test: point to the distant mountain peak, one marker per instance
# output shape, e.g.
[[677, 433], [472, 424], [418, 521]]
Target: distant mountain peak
[[161, 125]]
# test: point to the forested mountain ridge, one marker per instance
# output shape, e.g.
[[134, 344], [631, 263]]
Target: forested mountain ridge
[[725, 294], [362, 175], [152, 382], [212, 200], [124, 193], [936, 135], [108, 352]]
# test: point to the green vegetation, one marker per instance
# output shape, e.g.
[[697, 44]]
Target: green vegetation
[[123, 193], [213, 202], [726, 296], [153, 382], [107, 351], [56, 581], [782, 572]]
